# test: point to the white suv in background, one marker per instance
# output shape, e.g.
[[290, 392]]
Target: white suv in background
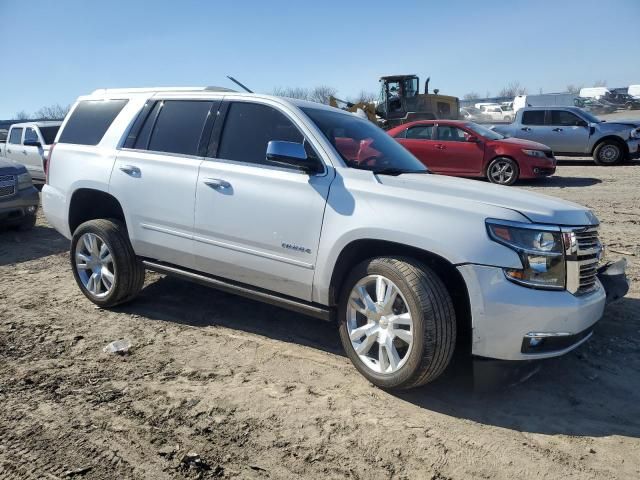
[[319, 211]]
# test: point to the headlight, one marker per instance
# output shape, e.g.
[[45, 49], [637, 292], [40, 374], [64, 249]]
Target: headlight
[[24, 180], [635, 133], [534, 153], [540, 249]]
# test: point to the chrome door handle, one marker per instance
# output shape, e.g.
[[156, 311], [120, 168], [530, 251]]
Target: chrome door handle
[[131, 170], [24, 151], [8, 151], [556, 129], [526, 129], [217, 183]]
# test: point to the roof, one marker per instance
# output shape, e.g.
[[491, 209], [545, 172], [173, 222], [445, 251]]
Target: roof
[[211, 88], [397, 77], [42, 123]]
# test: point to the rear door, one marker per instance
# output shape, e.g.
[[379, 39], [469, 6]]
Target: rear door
[[418, 139], [256, 222], [33, 154], [14, 145], [455, 154], [532, 126], [155, 176]]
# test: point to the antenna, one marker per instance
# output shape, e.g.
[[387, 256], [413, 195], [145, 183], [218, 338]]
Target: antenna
[[238, 83]]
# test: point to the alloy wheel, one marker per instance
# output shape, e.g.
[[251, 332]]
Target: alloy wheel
[[379, 324], [94, 265], [502, 171]]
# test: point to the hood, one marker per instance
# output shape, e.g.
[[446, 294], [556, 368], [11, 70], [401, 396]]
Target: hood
[[9, 167], [618, 125], [536, 207], [523, 143]]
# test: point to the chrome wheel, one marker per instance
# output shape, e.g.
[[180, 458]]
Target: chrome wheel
[[379, 324], [502, 171], [94, 265], [609, 153]]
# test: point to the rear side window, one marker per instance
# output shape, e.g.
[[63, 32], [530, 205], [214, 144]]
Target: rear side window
[[249, 127], [533, 117], [49, 134], [564, 118], [179, 126], [90, 120], [16, 136]]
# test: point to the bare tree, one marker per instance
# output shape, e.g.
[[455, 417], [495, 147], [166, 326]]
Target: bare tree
[[365, 97], [53, 112], [514, 88], [471, 96], [322, 93], [600, 83], [22, 115], [291, 92], [571, 88]]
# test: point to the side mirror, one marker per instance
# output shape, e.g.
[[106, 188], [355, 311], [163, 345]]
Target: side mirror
[[32, 143], [291, 154], [473, 139]]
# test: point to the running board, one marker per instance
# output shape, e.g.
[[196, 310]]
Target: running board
[[299, 306]]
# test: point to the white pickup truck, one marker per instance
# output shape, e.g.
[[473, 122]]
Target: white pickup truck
[[319, 211], [28, 143]]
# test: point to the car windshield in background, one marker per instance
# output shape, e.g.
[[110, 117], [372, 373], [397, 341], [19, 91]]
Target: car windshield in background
[[484, 132], [362, 145], [49, 134]]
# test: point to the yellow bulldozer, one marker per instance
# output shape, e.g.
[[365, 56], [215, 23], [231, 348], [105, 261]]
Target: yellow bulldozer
[[401, 102]]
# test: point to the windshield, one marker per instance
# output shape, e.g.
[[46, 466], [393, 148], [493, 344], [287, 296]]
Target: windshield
[[484, 131], [49, 134], [363, 145]]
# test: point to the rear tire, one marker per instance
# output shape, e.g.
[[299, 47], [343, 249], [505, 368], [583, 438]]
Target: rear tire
[[608, 153], [418, 328], [503, 171], [104, 264]]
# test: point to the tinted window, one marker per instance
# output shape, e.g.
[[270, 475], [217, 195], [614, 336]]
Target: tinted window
[[49, 134], [249, 127], [179, 126], [30, 135], [142, 140], [90, 120], [16, 136], [3, 135], [562, 117], [422, 132], [451, 134], [533, 117]]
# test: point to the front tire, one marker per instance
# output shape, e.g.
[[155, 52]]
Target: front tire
[[27, 223], [104, 264], [608, 153], [503, 171], [397, 322]]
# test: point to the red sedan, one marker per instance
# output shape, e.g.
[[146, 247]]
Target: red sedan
[[466, 149]]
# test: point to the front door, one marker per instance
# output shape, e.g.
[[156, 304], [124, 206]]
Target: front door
[[566, 132], [155, 180], [255, 222], [455, 154]]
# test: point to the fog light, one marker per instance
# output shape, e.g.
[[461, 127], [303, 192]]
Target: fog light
[[536, 170], [31, 209]]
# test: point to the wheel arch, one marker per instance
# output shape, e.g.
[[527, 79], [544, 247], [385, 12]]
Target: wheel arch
[[360, 250], [613, 138], [90, 204]]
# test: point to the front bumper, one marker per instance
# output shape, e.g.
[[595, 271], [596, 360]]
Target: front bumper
[[504, 314], [14, 208], [634, 148]]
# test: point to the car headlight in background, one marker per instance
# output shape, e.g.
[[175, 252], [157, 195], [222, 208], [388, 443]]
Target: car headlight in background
[[534, 153], [24, 180], [540, 249]]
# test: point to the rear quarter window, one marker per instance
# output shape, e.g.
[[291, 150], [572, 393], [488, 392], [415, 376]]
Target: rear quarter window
[[90, 120]]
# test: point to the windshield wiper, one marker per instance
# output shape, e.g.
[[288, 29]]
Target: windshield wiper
[[397, 171]]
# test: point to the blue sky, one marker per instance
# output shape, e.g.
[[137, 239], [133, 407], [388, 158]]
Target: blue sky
[[57, 50]]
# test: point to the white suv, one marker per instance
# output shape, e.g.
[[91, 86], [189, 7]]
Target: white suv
[[319, 211]]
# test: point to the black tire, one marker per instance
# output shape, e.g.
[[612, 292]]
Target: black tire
[[128, 271], [511, 179], [609, 153], [433, 316], [27, 223]]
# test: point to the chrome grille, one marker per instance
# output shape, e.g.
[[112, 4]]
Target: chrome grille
[[7, 185], [583, 252]]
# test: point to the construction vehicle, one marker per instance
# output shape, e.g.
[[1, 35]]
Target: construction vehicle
[[400, 102]]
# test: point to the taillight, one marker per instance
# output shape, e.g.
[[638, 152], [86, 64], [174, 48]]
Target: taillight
[[47, 164]]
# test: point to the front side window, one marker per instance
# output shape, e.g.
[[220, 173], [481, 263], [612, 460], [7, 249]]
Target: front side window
[[248, 129], [564, 118], [363, 145], [30, 135], [15, 137], [448, 133], [179, 126], [90, 120], [533, 117], [421, 132]]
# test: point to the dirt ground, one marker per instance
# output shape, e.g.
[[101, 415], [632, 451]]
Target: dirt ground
[[220, 386]]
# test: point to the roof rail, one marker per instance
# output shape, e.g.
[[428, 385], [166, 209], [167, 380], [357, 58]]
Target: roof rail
[[160, 89]]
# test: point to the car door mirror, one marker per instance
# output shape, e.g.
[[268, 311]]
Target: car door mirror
[[32, 143], [291, 154], [472, 139]]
